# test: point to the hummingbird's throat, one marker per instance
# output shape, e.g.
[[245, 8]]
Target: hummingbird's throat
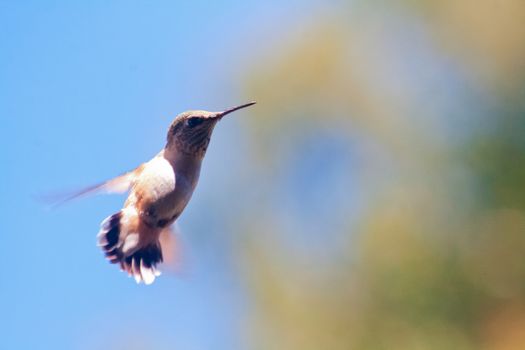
[[193, 142]]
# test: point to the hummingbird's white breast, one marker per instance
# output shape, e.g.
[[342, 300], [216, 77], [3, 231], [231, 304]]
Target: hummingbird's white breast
[[160, 193], [156, 181]]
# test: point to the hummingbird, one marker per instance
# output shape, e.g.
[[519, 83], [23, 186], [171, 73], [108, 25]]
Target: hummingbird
[[159, 190]]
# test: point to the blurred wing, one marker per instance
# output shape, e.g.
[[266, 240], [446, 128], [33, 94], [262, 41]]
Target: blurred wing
[[119, 184], [171, 250]]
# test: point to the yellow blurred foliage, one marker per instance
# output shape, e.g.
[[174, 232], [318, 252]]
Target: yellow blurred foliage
[[432, 258]]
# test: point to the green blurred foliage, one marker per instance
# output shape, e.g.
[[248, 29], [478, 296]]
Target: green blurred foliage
[[431, 257]]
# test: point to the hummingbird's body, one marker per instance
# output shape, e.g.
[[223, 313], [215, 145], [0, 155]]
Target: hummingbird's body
[[159, 190], [164, 188]]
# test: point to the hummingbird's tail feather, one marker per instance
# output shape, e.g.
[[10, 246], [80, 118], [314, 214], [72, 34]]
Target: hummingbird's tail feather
[[119, 238], [142, 264], [108, 237]]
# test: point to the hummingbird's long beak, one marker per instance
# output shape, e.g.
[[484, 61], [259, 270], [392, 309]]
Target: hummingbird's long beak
[[233, 109]]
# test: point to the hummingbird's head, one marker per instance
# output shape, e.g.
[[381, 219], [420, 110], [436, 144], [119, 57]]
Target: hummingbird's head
[[190, 131]]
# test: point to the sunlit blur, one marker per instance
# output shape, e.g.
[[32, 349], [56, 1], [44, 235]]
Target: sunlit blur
[[374, 198]]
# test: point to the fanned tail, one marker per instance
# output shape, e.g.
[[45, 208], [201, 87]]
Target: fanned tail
[[120, 240]]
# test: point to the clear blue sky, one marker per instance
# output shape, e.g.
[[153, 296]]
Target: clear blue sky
[[87, 90]]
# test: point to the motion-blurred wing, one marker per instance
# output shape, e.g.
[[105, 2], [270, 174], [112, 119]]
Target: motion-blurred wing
[[119, 184], [171, 250]]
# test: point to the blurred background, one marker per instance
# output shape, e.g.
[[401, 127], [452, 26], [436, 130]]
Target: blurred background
[[374, 198]]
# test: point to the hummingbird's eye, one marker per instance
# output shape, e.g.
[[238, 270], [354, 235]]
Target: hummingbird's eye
[[192, 122]]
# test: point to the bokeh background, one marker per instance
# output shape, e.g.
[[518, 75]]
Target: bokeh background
[[374, 198]]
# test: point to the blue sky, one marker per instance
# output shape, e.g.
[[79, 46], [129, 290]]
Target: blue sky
[[87, 90]]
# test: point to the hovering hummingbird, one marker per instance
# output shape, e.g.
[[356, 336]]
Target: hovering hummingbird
[[159, 190]]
